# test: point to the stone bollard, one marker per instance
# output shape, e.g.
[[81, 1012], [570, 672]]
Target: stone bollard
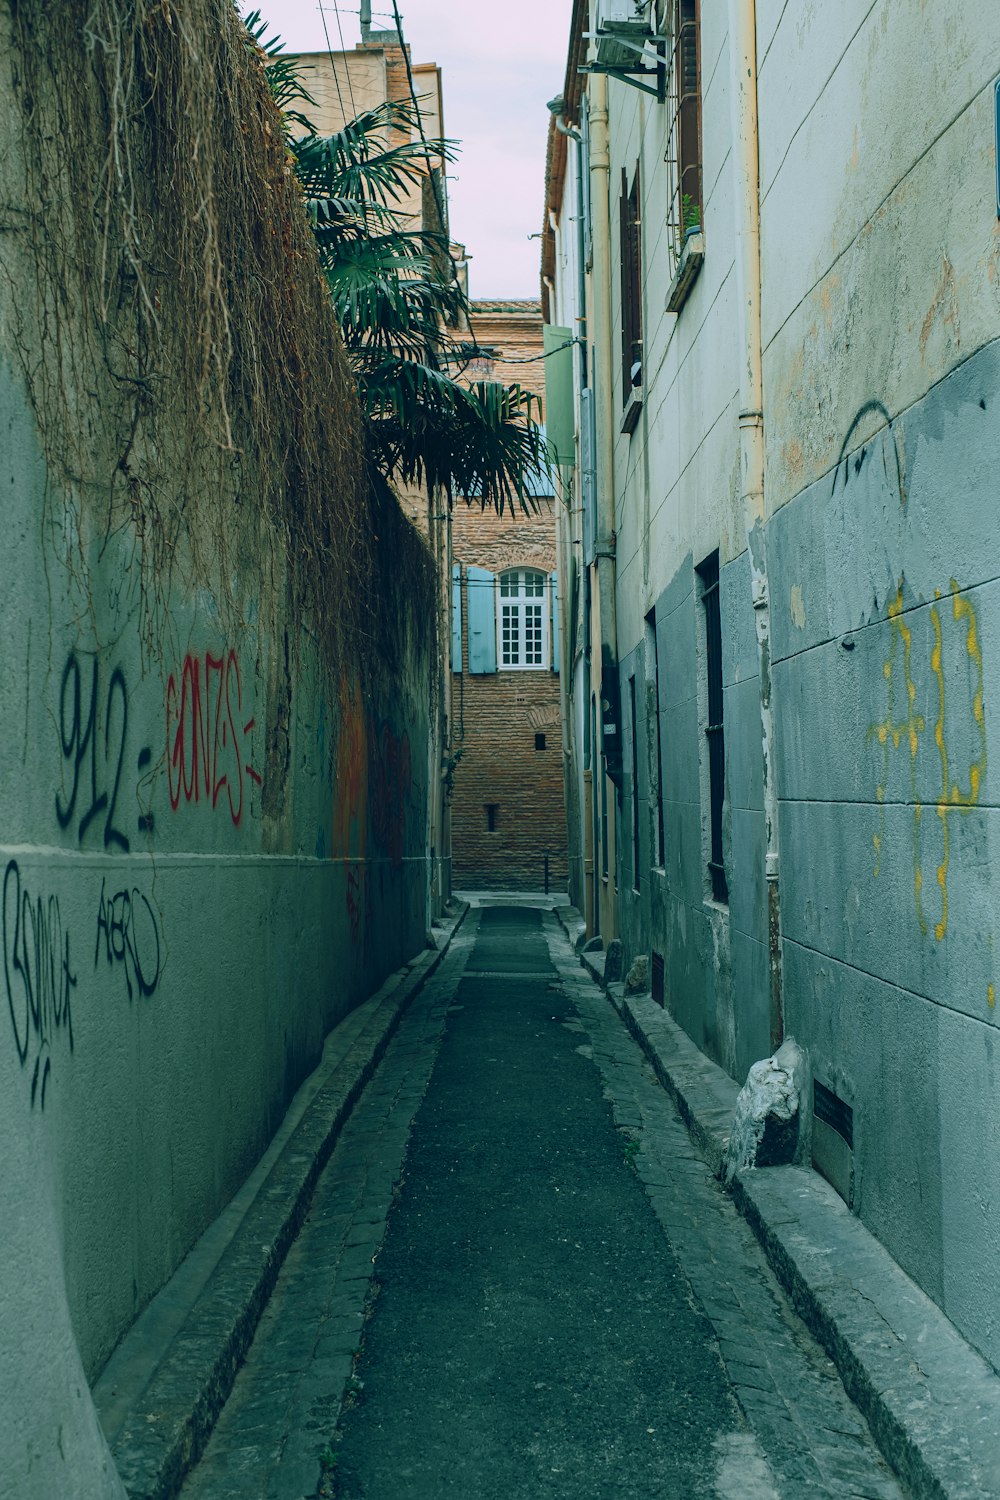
[[614, 962], [637, 978], [770, 1119]]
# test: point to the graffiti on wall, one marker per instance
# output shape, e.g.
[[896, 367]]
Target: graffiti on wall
[[39, 977], [93, 731], [207, 750], [128, 933], [905, 726]]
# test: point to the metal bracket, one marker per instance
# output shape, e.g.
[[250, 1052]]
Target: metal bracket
[[633, 75]]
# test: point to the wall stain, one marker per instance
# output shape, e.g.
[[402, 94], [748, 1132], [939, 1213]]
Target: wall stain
[[904, 726]]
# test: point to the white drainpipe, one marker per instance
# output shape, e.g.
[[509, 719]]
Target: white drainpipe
[[743, 53]]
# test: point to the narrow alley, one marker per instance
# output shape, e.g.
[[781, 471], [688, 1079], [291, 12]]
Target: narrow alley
[[499, 625], [540, 1290]]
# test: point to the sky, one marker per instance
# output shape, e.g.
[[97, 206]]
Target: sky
[[500, 64]]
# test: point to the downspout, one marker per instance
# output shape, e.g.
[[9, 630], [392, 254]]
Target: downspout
[[567, 686], [600, 175], [743, 51]]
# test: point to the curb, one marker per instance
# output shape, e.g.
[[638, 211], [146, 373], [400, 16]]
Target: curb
[[160, 1435], [932, 1402]]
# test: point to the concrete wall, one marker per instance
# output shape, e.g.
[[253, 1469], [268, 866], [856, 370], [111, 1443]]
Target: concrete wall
[[881, 336], [677, 500], [715, 954], [213, 844], [881, 316]]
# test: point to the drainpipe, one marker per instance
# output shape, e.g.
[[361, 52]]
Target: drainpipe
[[569, 541], [743, 51], [600, 175]]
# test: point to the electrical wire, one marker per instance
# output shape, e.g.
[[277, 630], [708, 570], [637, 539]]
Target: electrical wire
[[343, 48], [333, 65]]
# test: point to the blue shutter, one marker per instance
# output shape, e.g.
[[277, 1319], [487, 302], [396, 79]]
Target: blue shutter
[[482, 620], [456, 617], [554, 580]]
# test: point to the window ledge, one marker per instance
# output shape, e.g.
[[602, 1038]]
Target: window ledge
[[688, 266], [630, 416]]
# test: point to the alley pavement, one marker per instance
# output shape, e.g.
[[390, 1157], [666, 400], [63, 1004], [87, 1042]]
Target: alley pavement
[[518, 1278]]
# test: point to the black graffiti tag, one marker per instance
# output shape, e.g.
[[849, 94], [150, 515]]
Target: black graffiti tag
[[131, 938], [38, 977]]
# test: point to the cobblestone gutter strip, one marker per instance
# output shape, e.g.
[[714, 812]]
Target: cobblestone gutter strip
[[162, 1433], [932, 1402]]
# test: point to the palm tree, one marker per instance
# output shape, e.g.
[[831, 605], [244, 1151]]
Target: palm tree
[[400, 305]]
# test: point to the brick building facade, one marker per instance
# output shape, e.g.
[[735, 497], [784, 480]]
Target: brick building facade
[[508, 817]]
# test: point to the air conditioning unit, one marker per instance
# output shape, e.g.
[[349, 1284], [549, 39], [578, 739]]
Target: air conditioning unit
[[618, 22], [626, 17]]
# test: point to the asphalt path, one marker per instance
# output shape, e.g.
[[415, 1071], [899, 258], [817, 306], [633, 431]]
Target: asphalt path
[[531, 1332]]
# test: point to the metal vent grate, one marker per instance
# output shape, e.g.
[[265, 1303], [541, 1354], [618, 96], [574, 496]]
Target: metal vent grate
[[657, 980], [833, 1111]]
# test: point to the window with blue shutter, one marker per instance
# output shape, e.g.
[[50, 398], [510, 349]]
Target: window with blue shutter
[[554, 581], [481, 592], [456, 617]]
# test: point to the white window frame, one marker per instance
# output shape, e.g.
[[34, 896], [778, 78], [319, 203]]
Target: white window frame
[[520, 602]]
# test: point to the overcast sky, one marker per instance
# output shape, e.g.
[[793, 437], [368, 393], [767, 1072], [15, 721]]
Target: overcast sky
[[500, 64]]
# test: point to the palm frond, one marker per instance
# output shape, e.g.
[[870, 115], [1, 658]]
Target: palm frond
[[395, 293]]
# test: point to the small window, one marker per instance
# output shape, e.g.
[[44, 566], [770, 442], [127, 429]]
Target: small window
[[656, 740], [539, 742], [684, 147], [523, 620], [491, 809], [631, 273], [714, 731], [636, 871]]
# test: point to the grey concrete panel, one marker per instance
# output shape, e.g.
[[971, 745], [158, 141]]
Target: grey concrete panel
[[745, 866], [678, 653], [689, 985], [751, 1002], [744, 745], [739, 636], [969, 1150], [878, 1048], [895, 509], [681, 738], [684, 854], [903, 715], [677, 592], [895, 910]]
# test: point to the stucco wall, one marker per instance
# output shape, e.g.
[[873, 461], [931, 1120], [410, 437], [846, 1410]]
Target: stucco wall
[[881, 321], [880, 242], [886, 628], [213, 845], [715, 955]]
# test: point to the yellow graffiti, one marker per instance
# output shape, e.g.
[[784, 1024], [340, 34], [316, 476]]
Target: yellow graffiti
[[903, 724]]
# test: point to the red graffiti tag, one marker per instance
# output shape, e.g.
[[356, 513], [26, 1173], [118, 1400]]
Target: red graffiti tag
[[205, 733]]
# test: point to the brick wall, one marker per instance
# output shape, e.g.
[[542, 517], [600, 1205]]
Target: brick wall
[[496, 718]]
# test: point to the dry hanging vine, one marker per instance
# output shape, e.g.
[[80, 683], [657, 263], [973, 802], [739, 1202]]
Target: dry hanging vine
[[192, 384]]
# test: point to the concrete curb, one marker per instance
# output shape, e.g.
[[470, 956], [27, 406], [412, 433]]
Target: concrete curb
[[931, 1401], [161, 1429]]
